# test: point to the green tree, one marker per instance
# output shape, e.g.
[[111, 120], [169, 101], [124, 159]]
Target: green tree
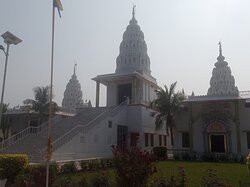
[[5, 123], [41, 102], [168, 103]]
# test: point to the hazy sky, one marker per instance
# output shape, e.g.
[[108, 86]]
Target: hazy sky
[[181, 35]]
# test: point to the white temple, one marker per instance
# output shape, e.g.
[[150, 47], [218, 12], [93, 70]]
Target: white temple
[[214, 123]]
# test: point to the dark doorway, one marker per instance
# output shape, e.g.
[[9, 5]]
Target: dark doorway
[[122, 132], [124, 91], [217, 143]]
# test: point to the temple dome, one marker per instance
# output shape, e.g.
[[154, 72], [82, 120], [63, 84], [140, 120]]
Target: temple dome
[[133, 51], [222, 82], [72, 95]]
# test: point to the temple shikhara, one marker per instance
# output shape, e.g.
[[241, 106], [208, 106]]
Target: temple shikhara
[[217, 122]]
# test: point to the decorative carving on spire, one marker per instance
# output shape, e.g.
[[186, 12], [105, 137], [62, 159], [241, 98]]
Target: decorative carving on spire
[[222, 82]]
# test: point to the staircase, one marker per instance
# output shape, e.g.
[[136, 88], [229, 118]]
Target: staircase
[[34, 142]]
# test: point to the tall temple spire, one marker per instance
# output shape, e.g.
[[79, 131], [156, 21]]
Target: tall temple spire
[[133, 55]]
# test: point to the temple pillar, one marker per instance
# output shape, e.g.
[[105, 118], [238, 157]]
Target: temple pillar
[[191, 121], [97, 94], [237, 123]]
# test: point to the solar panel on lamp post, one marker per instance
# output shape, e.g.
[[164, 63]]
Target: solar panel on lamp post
[[9, 39]]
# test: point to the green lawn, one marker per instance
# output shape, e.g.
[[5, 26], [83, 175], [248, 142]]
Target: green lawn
[[231, 172]]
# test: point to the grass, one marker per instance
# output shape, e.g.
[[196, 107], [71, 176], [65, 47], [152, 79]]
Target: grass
[[229, 172]]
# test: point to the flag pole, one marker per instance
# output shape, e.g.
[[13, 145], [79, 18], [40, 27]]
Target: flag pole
[[49, 151]]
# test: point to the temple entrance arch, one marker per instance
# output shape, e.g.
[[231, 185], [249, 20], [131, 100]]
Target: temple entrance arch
[[217, 137]]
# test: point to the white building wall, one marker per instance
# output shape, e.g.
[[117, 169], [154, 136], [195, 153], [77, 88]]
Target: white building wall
[[198, 137], [245, 126], [94, 143]]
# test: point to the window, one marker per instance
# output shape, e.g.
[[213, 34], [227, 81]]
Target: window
[[160, 140], [146, 139], [110, 124], [185, 139], [152, 139], [248, 140], [165, 140]]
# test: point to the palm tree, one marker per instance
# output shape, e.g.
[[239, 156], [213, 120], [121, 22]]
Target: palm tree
[[41, 102], [5, 123], [168, 103]]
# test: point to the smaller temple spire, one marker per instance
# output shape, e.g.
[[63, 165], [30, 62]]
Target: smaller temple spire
[[133, 12]]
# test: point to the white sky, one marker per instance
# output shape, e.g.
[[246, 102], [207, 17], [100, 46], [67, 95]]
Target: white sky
[[182, 38]]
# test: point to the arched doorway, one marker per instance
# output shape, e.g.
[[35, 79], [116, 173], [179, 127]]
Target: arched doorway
[[217, 138]]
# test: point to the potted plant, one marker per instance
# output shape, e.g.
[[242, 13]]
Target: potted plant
[[3, 179]]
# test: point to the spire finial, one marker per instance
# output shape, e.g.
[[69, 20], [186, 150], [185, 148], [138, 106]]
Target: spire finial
[[75, 68], [133, 13], [220, 48]]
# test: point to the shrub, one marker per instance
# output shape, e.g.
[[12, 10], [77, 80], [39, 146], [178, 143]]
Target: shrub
[[69, 168], [94, 165], [65, 181], [164, 181], [106, 163], [100, 179], [160, 152], [11, 165], [38, 174], [186, 156], [133, 167], [23, 178], [208, 157], [84, 165], [82, 182], [176, 156], [248, 162]]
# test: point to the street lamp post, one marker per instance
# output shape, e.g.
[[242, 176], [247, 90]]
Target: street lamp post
[[9, 39]]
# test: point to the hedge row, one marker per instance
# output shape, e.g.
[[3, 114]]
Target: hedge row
[[11, 165]]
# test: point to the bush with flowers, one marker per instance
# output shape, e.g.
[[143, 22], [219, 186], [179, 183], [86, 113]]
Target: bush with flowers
[[133, 166]]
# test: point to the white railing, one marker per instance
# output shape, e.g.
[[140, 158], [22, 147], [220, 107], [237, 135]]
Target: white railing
[[83, 128], [28, 131], [245, 94]]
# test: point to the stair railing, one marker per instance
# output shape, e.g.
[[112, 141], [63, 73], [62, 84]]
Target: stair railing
[[26, 132], [83, 128]]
